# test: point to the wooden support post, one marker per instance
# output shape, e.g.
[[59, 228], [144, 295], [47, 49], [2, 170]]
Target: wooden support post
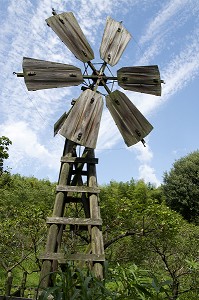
[[97, 245], [8, 284], [72, 192]]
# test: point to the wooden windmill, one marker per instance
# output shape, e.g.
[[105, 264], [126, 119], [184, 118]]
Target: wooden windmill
[[80, 126]]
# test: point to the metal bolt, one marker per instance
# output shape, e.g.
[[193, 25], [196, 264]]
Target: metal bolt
[[79, 136]]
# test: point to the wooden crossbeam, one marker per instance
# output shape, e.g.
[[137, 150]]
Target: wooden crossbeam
[[63, 258], [78, 189], [73, 221], [79, 160]]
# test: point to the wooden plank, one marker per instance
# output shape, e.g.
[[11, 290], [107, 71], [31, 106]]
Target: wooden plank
[[73, 199], [68, 30], [83, 173], [114, 41], [78, 189], [63, 258], [73, 221], [97, 245], [14, 298], [59, 123], [142, 79], [79, 160], [41, 74], [132, 125], [83, 121]]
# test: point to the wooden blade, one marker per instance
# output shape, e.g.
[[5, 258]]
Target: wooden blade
[[68, 30], [114, 41], [41, 74], [145, 79], [132, 125], [60, 122], [82, 123]]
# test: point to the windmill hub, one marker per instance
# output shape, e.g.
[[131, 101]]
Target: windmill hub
[[97, 75]]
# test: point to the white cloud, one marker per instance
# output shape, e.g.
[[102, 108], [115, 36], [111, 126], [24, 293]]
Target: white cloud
[[147, 173], [25, 146], [163, 16]]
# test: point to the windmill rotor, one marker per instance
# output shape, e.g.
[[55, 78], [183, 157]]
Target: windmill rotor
[[81, 123]]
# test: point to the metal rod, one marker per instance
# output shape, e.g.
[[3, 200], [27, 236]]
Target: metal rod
[[18, 74], [102, 77]]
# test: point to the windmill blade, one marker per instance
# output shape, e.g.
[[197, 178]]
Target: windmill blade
[[132, 125], [68, 30], [41, 74], [144, 79], [82, 123], [114, 41]]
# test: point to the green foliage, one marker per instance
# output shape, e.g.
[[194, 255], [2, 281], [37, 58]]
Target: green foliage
[[119, 283], [74, 284], [4, 147], [181, 187], [138, 229], [24, 205]]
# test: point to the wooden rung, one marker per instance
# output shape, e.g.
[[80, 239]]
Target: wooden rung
[[79, 160], [78, 189], [73, 221], [63, 258], [83, 172], [73, 199], [83, 257]]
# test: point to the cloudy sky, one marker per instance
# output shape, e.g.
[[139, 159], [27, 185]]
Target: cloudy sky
[[164, 32]]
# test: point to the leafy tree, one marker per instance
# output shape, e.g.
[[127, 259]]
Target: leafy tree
[[24, 205], [4, 147], [139, 228], [181, 187]]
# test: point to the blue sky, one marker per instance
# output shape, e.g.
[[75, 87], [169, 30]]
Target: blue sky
[[164, 32]]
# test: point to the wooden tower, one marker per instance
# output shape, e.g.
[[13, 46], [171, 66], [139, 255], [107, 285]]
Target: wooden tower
[[76, 215], [78, 194]]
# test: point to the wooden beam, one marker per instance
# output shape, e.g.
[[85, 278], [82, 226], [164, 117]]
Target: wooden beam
[[73, 221], [63, 258], [78, 189], [79, 160]]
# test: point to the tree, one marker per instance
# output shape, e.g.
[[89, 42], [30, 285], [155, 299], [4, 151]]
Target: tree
[[140, 228], [181, 187], [4, 147], [25, 203]]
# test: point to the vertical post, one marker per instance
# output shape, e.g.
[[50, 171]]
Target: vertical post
[[97, 245], [8, 284], [54, 230]]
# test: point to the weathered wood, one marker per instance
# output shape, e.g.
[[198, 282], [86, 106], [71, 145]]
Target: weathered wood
[[41, 74], [8, 283], [79, 160], [143, 79], [114, 41], [77, 189], [68, 30], [83, 121], [52, 243], [132, 125], [59, 123], [97, 245], [83, 173], [63, 258], [73, 221], [14, 298], [68, 186]]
